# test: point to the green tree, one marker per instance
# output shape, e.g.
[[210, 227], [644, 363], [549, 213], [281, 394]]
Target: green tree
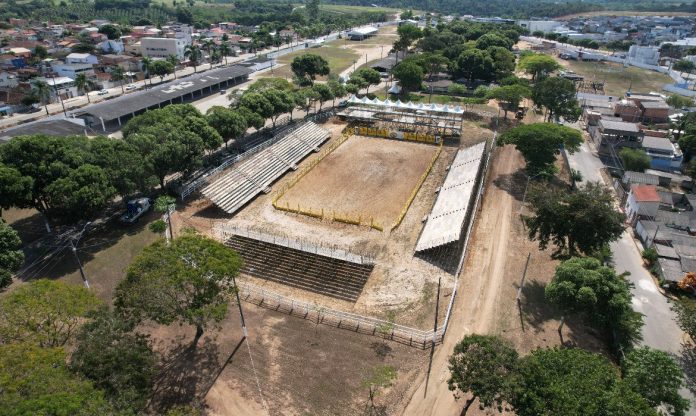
[[475, 64], [583, 286], [686, 316], [407, 35], [510, 96], [312, 7], [338, 90], [263, 84], [194, 54], [123, 164], [147, 62], [370, 75], [482, 365], [252, 119], [118, 74], [324, 93], [678, 101], [225, 50], [44, 312], [540, 143], [83, 193], [187, 281], [36, 381], [582, 221], [503, 61], [571, 381], [162, 69], [538, 65], [635, 160], [43, 93], [687, 143], [118, 361], [558, 96], [409, 75], [281, 101], [492, 39], [655, 376], [84, 84], [40, 52], [174, 60], [308, 66], [11, 254], [684, 65], [111, 31], [15, 189], [229, 123]]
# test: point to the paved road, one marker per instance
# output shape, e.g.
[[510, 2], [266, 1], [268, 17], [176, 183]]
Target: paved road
[[660, 330]]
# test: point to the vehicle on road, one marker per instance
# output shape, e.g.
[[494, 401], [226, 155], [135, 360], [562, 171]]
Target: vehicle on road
[[222, 92], [343, 103], [103, 92], [131, 87], [135, 208]]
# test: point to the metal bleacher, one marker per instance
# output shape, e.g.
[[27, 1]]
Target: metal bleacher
[[243, 181]]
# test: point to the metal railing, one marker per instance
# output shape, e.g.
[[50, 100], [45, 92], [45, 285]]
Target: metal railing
[[224, 232], [340, 319]]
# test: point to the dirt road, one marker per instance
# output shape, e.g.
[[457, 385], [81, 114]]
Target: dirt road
[[480, 285]]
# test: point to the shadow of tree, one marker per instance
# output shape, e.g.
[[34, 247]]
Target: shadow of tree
[[687, 360], [185, 375], [382, 349], [513, 184]]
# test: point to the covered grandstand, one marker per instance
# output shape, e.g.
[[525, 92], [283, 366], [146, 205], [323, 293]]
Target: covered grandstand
[[434, 119], [243, 181], [120, 109]]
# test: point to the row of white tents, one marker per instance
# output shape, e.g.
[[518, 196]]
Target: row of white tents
[[410, 105]]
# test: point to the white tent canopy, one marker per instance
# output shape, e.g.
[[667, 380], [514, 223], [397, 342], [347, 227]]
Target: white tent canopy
[[407, 106]]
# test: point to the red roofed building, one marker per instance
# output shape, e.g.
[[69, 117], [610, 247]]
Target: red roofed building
[[643, 202]]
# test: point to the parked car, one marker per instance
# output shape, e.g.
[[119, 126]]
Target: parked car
[[342, 104], [136, 208], [131, 87], [223, 92], [103, 92]]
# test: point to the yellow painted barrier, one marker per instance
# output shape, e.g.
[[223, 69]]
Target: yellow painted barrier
[[408, 203]]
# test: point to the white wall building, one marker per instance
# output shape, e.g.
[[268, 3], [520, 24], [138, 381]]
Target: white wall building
[[648, 55], [643, 200], [545, 26], [81, 58], [72, 70], [162, 47]]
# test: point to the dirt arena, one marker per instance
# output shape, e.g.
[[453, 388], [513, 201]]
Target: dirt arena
[[366, 177]]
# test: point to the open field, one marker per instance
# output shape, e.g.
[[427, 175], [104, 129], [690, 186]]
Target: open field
[[617, 78], [623, 13], [338, 58], [347, 9], [366, 177]]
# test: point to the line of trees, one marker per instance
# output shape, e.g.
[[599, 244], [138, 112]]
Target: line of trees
[[564, 381]]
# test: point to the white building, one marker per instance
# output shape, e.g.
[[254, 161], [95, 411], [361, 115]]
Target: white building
[[162, 47], [362, 33], [71, 70], [648, 55], [63, 86], [112, 46], [643, 200], [545, 26], [81, 58]]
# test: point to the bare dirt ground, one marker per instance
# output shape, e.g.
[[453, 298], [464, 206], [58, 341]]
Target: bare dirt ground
[[365, 177], [488, 286]]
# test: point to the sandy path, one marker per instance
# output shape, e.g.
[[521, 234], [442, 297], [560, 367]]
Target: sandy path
[[480, 283]]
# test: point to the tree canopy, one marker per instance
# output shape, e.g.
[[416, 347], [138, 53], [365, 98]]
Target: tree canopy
[[510, 96], [540, 143], [36, 381], [657, 377], [227, 122], [44, 312], [538, 65], [571, 381], [11, 254], [187, 281], [482, 365], [118, 361], [635, 160], [558, 96], [308, 66], [581, 221], [409, 75]]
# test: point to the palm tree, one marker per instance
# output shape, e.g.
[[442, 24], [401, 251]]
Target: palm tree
[[83, 84], [193, 52], [174, 60], [43, 93], [209, 45], [147, 65], [118, 74], [225, 50]]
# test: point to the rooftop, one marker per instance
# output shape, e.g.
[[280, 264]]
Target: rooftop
[[58, 126], [654, 105], [619, 126], [645, 193], [658, 143]]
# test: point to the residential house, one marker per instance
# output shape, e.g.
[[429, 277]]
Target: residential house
[[163, 47], [643, 202], [654, 111]]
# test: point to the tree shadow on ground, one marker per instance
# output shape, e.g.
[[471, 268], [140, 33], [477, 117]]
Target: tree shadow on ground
[[212, 212], [185, 374], [687, 360], [537, 314], [381, 349], [514, 184]]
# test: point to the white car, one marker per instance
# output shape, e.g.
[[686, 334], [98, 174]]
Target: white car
[[131, 87], [135, 209], [103, 92]]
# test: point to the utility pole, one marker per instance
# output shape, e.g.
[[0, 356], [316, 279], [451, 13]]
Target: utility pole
[[239, 304], [73, 246]]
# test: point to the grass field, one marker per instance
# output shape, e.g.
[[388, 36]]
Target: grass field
[[347, 9], [617, 78], [338, 58]]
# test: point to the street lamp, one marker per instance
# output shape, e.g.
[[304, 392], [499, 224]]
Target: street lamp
[[73, 245]]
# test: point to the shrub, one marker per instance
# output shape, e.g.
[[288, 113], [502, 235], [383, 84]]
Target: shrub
[[158, 226], [650, 255]]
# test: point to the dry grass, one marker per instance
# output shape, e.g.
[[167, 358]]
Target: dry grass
[[618, 79]]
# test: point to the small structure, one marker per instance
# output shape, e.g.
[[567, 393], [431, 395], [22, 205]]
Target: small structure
[[643, 202], [362, 33], [610, 133], [664, 155], [654, 111]]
